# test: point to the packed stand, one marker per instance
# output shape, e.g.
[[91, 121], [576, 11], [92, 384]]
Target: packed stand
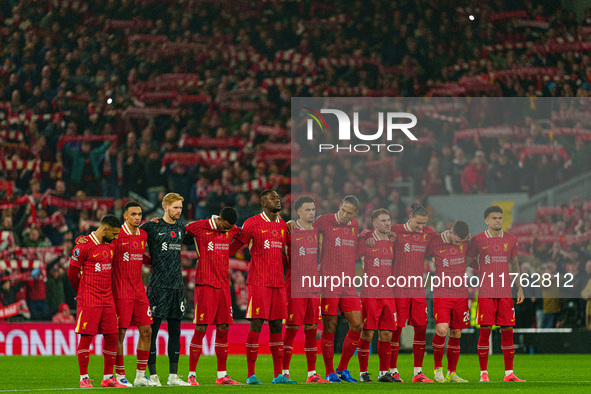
[[109, 100]]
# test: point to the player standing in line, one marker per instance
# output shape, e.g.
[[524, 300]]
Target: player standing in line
[[90, 275], [165, 284], [213, 303], [450, 301], [496, 252], [303, 304], [379, 307], [131, 301], [337, 258], [266, 282], [412, 239]]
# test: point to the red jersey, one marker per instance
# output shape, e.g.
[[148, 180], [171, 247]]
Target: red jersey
[[95, 261], [213, 248], [494, 255], [377, 262], [450, 267], [303, 261], [338, 244], [127, 263], [410, 251], [268, 240]]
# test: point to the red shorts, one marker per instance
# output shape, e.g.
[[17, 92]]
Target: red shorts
[[379, 314], [133, 312], [303, 311], [412, 311], [266, 303], [499, 311], [92, 320], [454, 311], [212, 305]]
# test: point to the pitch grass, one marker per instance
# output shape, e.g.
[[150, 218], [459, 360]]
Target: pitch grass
[[550, 373]]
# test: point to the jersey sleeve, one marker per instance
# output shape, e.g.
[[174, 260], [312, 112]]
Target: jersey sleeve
[[362, 248], [473, 249], [78, 256], [321, 223], [515, 248], [247, 232], [193, 228]]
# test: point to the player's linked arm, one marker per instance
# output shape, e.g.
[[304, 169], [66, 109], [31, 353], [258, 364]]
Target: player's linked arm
[[235, 246], [514, 267], [74, 276]]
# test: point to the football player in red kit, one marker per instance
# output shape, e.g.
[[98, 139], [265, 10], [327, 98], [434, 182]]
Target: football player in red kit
[[496, 253]]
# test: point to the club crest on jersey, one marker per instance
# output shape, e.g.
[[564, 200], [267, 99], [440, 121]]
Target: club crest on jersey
[[143, 244], [505, 247]]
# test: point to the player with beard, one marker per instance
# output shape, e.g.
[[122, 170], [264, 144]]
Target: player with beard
[[496, 253], [266, 282], [303, 303], [165, 284], [90, 275]]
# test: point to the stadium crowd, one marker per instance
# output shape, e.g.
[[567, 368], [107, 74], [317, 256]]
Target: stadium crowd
[[111, 97]]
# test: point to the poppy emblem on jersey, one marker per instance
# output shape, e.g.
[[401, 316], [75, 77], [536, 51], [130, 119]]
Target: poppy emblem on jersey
[[385, 251], [104, 254], [135, 244], [275, 233], [496, 248], [346, 230], [310, 239], [453, 250], [172, 234], [416, 237]]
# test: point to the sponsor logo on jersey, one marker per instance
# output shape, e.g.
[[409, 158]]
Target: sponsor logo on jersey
[[97, 267], [302, 251], [126, 256], [445, 262], [487, 259], [376, 262], [266, 244], [164, 246], [210, 246]]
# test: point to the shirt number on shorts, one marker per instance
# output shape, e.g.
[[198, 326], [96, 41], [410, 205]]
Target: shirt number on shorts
[[149, 312], [466, 316], [183, 306]]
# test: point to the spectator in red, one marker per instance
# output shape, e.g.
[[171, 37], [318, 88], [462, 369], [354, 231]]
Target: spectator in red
[[63, 316], [432, 180], [474, 175]]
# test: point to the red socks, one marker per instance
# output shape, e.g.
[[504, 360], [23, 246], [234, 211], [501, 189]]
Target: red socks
[[384, 354], [453, 353], [276, 346], [483, 347], [195, 349], [310, 348], [363, 354], [327, 345], [110, 353], [252, 350], [418, 346], [438, 350], [142, 359], [508, 348], [221, 349], [119, 365], [349, 346], [83, 353], [395, 345], [288, 339]]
